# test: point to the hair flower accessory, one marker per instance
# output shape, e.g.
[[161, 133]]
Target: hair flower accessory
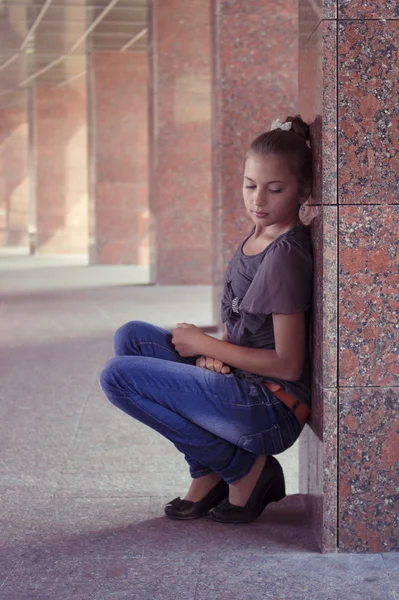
[[277, 124]]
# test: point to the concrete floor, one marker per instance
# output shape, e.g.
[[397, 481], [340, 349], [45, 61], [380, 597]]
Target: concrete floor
[[83, 486]]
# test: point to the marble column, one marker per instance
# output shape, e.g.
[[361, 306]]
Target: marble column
[[348, 90], [61, 170], [14, 187], [119, 208], [255, 66], [181, 185]]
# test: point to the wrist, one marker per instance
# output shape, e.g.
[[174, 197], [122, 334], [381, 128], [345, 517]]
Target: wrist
[[208, 345]]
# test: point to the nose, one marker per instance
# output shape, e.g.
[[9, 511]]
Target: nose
[[260, 199]]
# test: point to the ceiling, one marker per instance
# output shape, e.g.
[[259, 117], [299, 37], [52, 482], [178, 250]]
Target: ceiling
[[46, 42]]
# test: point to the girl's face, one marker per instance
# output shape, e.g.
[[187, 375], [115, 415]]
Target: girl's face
[[271, 191]]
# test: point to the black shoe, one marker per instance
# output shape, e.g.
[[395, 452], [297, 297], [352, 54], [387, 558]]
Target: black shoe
[[185, 509], [270, 487]]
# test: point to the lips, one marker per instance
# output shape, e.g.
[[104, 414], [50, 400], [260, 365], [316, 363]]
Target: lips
[[260, 214]]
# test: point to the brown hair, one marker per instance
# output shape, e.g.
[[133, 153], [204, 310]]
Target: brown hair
[[293, 145]]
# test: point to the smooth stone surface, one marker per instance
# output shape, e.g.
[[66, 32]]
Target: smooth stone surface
[[282, 528], [391, 563], [368, 469], [82, 486], [294, 578], [119, 578]]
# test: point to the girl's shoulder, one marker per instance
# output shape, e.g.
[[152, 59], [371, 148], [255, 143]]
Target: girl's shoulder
[[291, 247]]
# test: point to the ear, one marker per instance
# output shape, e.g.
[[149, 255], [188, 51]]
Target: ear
[[305, 195]]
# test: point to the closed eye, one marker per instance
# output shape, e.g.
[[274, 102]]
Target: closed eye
[[250, 187]]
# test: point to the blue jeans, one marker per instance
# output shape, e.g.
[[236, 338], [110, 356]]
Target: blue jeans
[[221, 423]]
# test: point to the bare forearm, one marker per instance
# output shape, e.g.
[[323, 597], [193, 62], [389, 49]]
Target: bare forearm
[[259, 361]]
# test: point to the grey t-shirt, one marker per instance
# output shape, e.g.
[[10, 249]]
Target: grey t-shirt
[[278, 280]]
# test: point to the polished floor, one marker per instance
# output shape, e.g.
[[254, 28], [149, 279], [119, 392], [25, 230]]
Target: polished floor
[[83, 486]]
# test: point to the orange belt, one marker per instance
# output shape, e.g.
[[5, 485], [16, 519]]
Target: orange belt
[[301, 411]]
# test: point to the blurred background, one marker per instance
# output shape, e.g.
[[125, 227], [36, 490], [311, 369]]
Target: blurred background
[[74, 130], [109, 112]]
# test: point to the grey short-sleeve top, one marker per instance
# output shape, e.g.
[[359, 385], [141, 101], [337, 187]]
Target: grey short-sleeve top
[[278, 280]]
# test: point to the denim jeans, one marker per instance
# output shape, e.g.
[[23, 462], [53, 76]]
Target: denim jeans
[[221, 423]]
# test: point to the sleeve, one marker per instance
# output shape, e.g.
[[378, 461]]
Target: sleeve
[[226, 296], [283, 282]]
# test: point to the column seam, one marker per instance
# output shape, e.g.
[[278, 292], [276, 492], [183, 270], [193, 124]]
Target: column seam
[[338, 295]]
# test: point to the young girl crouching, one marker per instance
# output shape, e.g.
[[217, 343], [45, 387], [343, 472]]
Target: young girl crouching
[[230, 405]]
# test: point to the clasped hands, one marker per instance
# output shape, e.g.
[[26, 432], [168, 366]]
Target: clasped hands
[[187, 340]]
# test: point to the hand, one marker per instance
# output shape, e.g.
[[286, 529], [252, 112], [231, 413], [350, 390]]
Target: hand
[[187, 338], [213, 364]]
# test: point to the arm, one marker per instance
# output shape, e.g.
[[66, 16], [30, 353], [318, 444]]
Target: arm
[[213, 364], [285, 362]]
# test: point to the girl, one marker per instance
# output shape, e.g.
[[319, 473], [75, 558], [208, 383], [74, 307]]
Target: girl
[[229, 405]]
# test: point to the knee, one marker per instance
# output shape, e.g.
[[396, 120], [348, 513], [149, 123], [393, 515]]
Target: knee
[[109, 377], [128, 335]]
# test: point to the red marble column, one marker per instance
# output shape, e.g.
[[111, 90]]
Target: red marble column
[[119, 153], [317, 104], [351, 477], [61, 170], [255, 67], [181, 187], [14, 189]]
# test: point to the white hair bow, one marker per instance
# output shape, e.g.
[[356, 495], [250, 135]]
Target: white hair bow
[[277, 124]]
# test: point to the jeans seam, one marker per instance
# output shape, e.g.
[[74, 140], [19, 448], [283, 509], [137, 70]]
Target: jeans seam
[[255, 404], [139, 344], [162, 422], [151, 416]]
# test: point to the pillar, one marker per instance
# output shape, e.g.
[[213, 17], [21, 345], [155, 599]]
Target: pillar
[[119, 212], [61, 169], [181, 186], [348, 78], [14, 187], [255, 64]]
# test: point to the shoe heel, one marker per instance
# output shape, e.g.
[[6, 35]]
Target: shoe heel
[[277, 491]]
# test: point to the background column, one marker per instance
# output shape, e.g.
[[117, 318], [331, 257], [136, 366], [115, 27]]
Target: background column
[[181, 187], [255, 67], [349, 85], [119, 158], [14, 187], [61, 169]]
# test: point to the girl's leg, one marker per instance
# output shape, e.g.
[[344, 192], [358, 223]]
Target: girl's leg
[[138, 338], [217, 420]]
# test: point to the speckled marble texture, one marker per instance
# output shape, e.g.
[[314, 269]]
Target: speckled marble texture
[[318, 105], [368, 9], [255, 81], [311, 14], [369, 455], [368, 295], [318, 461], [325, 312], [121, 212], [181, 141], [368, 120], [361, 299], [318, 443]]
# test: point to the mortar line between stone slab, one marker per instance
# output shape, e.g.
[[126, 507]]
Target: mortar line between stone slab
[[372, 387], [84, 404], [198, 574], [337, 282], [12, 571]]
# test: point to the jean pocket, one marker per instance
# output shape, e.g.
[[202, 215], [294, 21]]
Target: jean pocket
[[263, 443], [254, 394]]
